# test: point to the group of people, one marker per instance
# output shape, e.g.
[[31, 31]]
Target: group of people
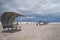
[[42, 23]]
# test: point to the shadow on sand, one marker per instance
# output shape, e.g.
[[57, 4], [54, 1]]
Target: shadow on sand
[[11, 31]]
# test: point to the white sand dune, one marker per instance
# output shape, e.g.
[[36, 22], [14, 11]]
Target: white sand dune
[[34, 32]]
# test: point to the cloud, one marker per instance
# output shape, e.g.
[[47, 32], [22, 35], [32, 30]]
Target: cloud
[[31, 6]]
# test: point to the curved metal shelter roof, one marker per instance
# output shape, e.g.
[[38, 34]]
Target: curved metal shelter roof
[[8, 18]]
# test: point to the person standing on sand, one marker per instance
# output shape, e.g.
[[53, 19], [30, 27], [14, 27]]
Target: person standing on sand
[[39, 22], [16, 25]]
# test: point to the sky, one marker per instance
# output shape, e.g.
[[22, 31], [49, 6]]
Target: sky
[[31, 6], [47, 8]]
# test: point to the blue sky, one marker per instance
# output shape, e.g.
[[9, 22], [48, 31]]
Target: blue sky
[[32, 7]]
